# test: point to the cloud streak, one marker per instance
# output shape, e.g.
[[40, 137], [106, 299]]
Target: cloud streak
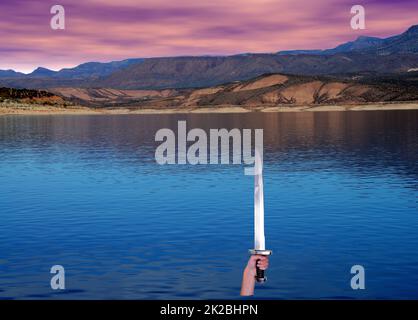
[[103, 30]]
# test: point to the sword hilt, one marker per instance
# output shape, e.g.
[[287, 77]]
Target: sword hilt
[[260, 277]]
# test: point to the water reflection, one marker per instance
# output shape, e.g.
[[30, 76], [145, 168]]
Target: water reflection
[[85, 192]]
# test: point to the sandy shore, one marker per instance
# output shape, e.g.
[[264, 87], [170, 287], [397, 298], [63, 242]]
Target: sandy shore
[[42, 110], [367, 107], [51, 110]]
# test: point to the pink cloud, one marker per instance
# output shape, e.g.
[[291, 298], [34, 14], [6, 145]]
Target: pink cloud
[[103, 30]]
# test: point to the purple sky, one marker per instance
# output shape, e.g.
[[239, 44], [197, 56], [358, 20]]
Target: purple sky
[[104, 30]]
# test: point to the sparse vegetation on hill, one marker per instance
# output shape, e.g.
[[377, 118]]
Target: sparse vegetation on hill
[[266, 90], [11, 93], [28, 96]]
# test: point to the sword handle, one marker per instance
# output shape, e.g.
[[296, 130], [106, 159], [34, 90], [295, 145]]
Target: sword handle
[[259, 274]]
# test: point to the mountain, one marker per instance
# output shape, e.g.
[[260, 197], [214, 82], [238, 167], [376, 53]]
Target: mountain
[[361, 43], [10, 74], [363, 57], [95, 69], [85, 71], [265, 90], [42, 73], [186, 72], [296, 52], [404, 43]]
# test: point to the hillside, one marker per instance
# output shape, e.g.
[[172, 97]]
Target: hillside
[[30, 96], [266, 90]]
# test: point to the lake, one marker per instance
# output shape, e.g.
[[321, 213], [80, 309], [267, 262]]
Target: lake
[[85, 192]]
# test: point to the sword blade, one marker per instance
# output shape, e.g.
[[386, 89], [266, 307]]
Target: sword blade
[[259, 238]]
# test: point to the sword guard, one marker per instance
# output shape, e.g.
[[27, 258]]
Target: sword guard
[[260, 277], [261, 252]]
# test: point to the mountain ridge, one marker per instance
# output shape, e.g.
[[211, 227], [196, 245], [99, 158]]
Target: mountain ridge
[[365, 56]]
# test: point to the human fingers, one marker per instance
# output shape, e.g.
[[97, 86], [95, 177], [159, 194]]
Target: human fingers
[[262, 264]]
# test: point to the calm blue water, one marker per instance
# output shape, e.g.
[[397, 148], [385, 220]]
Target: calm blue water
[[341, 188]]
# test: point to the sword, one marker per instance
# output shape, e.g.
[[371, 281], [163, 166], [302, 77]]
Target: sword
[[259, 238]]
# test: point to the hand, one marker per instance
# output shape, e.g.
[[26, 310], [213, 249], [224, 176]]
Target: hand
[[262, 262], [250, 271]]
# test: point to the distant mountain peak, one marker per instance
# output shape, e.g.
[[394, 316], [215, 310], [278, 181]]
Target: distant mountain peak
[[406, 42], [412, 30], [40, 71], [9, 73], [367, 38]]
